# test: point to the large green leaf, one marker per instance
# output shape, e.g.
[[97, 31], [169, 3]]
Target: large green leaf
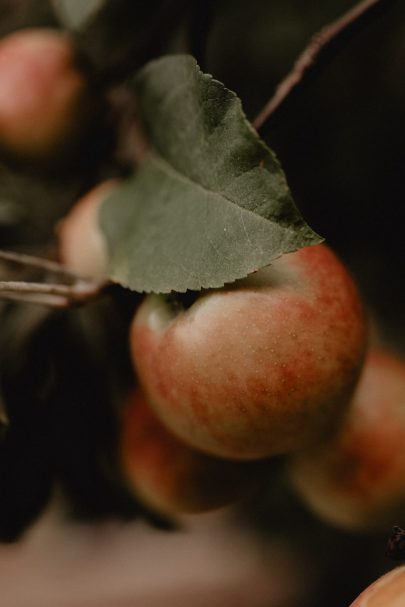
[[210, 203]]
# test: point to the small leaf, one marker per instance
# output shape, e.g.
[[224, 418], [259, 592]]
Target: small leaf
[[210, 203]]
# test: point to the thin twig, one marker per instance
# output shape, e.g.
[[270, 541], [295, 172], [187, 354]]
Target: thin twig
[[307, 58], [57, 295], [50, 301], [51, 294], [37, 262]]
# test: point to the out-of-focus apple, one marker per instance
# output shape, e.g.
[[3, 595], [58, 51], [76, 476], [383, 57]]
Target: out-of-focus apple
[[44, 96], [356, 480], [387, 591], [82, 246], [264, 366], [172, 478]]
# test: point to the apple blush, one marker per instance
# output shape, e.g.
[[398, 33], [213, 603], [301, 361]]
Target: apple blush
[[261, 367]]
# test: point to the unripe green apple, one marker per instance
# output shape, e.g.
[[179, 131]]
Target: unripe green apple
[[387, 591], [44, 99], [168, 475], [261, 367], [356, 480], [82, 246]]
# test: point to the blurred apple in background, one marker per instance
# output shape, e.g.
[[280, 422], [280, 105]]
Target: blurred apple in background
[[356, 480], [387, 591], [44, 95], [171, 477], [82, 246]]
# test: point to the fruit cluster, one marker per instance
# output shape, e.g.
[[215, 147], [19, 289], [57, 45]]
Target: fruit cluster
[[264, 367], [267, 366], [272, 365]]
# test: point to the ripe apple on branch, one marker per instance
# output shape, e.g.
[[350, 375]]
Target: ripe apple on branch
[[263, 367], [260, 368]]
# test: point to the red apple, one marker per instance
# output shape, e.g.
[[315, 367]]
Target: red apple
[[168, 475], [387, 591], [43, 94], [356, 480], [261, 367], [82, 246]]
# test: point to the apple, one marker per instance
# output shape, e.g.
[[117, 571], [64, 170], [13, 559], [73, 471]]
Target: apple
[[262, 367], [168, 475], [387, 591], [356, 479], [82, 246], [44, 96]]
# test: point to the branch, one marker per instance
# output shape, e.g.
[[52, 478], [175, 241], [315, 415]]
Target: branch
[[59, 295], [37, 262], [54, 295], [322, 40]]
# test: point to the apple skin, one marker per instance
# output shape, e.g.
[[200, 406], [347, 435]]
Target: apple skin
[[387, 591], [82, 246], [172, 478], [259, 368], [44, 97], [356, 480]]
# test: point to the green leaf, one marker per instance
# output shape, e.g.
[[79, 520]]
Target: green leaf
[[210, 203]]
